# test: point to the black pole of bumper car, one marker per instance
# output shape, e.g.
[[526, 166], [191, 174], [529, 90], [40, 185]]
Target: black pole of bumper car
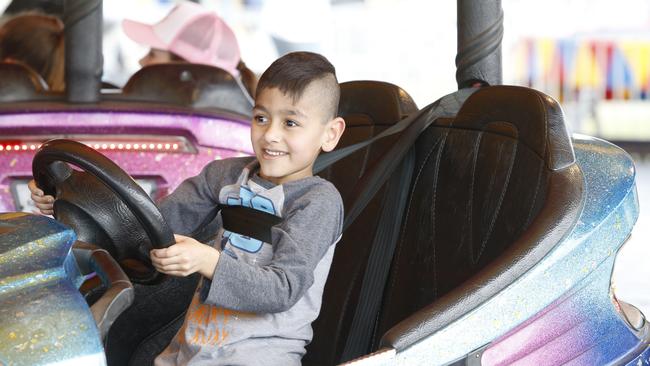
[[480, 30], [83, 49]]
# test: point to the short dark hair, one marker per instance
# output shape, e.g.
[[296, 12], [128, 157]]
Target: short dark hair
[[295, 71]]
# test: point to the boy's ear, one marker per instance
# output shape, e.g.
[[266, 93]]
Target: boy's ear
[[332, 135]]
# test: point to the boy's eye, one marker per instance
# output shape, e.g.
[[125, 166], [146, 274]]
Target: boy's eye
[[259, 119], [291, 123]]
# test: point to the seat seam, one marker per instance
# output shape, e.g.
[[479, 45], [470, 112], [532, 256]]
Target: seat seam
[[532, 207], [500, 202], [547, 144], [477, 146], [433, 218], [408, 210]]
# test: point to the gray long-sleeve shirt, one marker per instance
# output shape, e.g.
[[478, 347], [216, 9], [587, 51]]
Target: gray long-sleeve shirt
[[258, 307]]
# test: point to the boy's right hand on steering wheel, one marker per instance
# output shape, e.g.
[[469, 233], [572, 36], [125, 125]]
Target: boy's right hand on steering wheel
[[45, 203]]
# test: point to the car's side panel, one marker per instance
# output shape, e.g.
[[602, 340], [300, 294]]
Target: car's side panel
[[43, 317], [582, 328]]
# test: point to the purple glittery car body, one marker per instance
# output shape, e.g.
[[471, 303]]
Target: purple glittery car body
[[210, 136]]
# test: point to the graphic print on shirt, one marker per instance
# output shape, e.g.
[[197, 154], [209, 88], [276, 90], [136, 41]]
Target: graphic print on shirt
[[247, 199], [209, 324]]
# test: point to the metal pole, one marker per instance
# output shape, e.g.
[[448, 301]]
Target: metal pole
[[83, 49], [480, 30]]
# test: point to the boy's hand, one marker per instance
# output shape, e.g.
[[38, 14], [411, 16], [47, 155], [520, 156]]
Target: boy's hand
[[45, 203], [186, 257]]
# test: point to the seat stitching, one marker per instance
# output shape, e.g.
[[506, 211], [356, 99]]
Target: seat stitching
[[521, 142], [433, 219], [532, 207], [408, 212], [477, 146], [408, 209], [500, 202], [544, 156]]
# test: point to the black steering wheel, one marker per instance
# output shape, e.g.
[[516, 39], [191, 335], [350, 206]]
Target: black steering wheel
[[103, 204]]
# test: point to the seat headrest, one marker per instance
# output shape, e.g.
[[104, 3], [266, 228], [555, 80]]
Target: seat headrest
[[20, 82], [193, 85], [509, 110], [383, 102]]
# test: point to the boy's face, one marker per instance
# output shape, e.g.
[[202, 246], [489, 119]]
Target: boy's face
[[288, 135]]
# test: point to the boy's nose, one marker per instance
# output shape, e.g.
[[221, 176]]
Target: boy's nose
[[272, 133]]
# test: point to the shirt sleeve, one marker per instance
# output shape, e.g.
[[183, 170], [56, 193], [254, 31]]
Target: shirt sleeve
[[314, 222]]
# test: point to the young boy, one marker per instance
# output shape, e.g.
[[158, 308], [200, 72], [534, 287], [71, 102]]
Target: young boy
[[256, 301]]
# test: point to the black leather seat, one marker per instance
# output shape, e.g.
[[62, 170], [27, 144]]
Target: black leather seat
[[499, 188], [186, 84], [493, 190], [368, 107], [18, 82]]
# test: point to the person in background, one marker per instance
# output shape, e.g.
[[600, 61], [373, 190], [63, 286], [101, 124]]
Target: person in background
[[191, 33], [36, 40]]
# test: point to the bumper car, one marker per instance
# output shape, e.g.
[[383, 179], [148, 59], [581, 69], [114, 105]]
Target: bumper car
[[478, 231], [162, 126]]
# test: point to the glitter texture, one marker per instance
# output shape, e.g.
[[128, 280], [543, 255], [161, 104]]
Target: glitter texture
[[214, 138], [43, 317]]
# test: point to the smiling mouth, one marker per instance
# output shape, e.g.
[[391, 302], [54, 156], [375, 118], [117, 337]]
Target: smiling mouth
[[274, 153]]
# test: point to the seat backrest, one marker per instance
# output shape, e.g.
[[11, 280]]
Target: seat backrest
[[494, 189], [19, 82], [192, 85], [368, 108]]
